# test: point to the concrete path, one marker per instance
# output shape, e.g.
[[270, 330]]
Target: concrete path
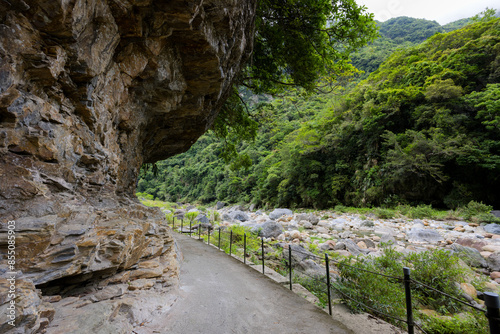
[[219, 294]]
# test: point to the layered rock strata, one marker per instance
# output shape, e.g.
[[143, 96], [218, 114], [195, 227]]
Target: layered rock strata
[[89, 91]]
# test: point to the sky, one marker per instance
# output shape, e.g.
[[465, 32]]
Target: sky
[[442, 11]]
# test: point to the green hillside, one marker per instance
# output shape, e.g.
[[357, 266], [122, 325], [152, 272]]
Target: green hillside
[[423, 128]]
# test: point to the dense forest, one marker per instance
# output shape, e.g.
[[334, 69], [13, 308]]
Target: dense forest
[[421, 126]]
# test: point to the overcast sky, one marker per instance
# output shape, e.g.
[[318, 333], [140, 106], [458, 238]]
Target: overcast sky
[[442, 11]]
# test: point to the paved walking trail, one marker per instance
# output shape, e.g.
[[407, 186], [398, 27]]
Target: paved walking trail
[[219, 294]]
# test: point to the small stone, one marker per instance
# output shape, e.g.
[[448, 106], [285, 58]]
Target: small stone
[[294, 234], [495, 275], [376, 238], [491, 248], [362, 245], [488, 235], [469, 289], [485, 254]]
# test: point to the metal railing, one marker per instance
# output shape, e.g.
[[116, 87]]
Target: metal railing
[[225, 241]]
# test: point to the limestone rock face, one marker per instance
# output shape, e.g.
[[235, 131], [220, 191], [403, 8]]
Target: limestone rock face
[[89, 91]]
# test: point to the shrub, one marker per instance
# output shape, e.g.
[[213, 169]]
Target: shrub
[[478, 212], [438, 269], [421, 211], [384, 213]]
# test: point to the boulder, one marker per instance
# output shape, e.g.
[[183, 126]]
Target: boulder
[[419, 235], [311, 268], [306, 224], [239, 215], [311, 218], [350, 246], [473, 243], [368, 243], [469, 255], [367, 223], [201, 218], [220, 205], [494, 262], [277, 213], [271, 229], [492, 228], [299, 253]]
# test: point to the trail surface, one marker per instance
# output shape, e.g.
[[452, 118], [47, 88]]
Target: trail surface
[[219, 294]]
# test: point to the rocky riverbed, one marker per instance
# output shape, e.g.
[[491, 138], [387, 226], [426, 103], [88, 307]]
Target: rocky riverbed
[[478, 245]]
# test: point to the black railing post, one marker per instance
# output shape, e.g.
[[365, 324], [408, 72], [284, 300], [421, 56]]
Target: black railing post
[[409, 312], [492, 302], [182, 225], [219, 237], [190, 226], [231, 243], [263, 265], [199, 231], [245, 248], [328, 284], [290, 264], [173, 223], [208, 243]]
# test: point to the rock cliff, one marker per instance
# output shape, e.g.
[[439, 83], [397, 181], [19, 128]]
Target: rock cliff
[[89, 91]]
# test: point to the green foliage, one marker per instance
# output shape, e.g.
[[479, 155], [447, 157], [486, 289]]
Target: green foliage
[[478, 212], [317, 286], [170, 218], [457, 324], [420, 130], [191, 215], [144, 195], [436, 268], [299, 42]]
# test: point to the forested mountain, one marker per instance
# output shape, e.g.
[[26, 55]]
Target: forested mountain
[[399, 32], [423, 128]]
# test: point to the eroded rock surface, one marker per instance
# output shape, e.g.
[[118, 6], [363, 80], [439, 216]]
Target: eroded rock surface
[[89, 91]]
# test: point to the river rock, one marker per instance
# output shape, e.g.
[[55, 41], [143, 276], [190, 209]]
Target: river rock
[[306, 224], [494, 262], [350, 246], [299, 253], [271, 229], [473, 243], [469, 255], [492, 228], [419, 235], [277, 213], [239, 215], [201, 218], [311, 268], [313, 219]]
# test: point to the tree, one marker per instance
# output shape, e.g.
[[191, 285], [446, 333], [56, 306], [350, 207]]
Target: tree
[[298, 43]]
